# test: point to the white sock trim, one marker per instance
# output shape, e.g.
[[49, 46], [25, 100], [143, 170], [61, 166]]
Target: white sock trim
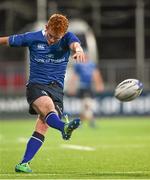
[[37, 139]]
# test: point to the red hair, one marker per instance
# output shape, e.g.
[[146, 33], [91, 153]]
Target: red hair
[[58, 23]]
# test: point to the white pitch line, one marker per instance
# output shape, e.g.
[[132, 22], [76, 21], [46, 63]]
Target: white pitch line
[[100, 173], [77, 147], [107, 146], [82, 148], [22, 139]]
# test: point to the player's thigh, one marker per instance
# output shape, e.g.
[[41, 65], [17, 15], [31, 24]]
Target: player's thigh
[[43, 105]]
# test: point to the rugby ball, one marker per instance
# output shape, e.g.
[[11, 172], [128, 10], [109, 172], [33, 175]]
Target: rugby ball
[[128, 90]]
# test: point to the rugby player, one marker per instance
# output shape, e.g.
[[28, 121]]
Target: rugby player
[[49, 55]]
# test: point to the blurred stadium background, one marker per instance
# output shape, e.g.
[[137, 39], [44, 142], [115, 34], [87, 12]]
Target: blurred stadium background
[[116, 33]]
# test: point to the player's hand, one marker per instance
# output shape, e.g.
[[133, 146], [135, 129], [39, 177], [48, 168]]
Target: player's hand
[[79, 56], [4, 41]]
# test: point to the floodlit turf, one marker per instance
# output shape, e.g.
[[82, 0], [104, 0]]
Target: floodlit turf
[[118, 148]]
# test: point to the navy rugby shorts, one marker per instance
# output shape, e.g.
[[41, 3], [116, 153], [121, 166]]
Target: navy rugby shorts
[[83, 93], [52, 90]]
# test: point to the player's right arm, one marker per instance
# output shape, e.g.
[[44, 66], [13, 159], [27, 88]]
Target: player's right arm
[[4, 41], [17, 40]]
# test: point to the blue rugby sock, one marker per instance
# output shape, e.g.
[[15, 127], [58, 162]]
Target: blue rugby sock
[[33, 145], [53, 120]]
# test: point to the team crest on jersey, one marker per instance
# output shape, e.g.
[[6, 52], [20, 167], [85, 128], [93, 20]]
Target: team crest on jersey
[[41, 46]]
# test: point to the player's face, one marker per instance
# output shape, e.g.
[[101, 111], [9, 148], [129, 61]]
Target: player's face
[[52, 37]]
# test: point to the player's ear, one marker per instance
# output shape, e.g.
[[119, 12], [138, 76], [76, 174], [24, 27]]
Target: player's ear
[[46, 26]]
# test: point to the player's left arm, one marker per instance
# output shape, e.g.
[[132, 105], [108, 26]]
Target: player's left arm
[[78, 53], [4, 41]]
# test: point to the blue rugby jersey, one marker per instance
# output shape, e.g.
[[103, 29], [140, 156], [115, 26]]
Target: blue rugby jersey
[[85, 73], [47, 62]]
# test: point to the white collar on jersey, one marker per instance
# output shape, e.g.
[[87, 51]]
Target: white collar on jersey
[[43, 32]]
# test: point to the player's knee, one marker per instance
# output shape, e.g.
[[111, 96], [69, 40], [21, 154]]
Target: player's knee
[[43, 105], [44, 109]]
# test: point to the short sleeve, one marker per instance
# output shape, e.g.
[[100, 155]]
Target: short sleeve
[[20, 40], [70, 37]]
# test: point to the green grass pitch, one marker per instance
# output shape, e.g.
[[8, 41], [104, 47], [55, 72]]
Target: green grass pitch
[[119, 148]]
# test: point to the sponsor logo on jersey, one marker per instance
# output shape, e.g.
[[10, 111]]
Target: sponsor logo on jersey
[[50, 55], [41, 46], [50, 60]]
